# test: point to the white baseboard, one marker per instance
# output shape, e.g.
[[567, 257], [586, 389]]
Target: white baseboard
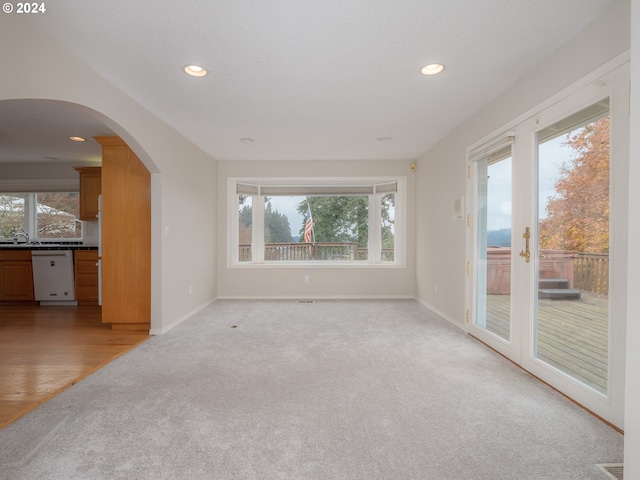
[[440, 313], [175, 323], [160, 331], [317, 297]]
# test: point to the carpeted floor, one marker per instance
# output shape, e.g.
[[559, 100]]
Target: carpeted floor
[[326, 390]]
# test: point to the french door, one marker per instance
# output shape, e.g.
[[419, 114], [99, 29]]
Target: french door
[[542, 247]]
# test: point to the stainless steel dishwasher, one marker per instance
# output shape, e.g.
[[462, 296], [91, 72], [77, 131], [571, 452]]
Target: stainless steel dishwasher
[[53, 277]]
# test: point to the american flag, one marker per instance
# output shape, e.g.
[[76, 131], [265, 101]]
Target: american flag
[[308, 227]]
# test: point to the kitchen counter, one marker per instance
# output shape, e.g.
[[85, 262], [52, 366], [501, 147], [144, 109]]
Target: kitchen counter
[[46, 246], [17, 270]]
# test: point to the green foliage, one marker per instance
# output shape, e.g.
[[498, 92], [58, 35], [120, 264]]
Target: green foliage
[[388, 235], [277, 228], [340, 219]]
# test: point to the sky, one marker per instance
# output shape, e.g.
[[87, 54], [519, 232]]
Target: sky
[[288, 206], [552, 155]]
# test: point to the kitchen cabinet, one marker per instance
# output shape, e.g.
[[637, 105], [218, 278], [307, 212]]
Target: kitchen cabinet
[[16, 276], [90, 189], [126, 237], [85, 264]]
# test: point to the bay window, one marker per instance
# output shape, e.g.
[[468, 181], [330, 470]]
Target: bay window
[[347, 221]]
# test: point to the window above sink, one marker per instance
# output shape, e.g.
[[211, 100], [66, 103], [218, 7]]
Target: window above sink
[[45, 216]]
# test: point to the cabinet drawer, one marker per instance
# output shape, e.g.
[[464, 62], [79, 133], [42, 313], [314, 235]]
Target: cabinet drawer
[[86, 280], [18, 254], [86, 276], [86, 267], [86, 262]]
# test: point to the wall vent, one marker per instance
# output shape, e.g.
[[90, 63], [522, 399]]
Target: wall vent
[[306, 301], [615, 471]]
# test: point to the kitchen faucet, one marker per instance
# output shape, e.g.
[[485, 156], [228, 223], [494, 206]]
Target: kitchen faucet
[[20, 234]]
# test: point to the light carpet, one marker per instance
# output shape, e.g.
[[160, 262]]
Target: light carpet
[[325, 390]]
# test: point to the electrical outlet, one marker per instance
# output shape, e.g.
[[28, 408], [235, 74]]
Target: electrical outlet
[[435, 288], [190, 290], [306, 279]]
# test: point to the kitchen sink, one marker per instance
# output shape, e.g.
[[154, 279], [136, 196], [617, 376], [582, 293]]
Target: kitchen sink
[[29, 245]]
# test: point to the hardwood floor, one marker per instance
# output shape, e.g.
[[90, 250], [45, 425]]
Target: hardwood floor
[[46, 349]]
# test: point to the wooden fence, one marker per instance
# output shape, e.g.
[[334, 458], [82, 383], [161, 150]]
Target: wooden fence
[[312, 251]]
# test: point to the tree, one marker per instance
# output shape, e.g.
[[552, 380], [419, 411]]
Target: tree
[[245, 220], [345, 219], [578, 213], [388, 232], [277, 228], [339, 219], [11, 214], [58, 215]]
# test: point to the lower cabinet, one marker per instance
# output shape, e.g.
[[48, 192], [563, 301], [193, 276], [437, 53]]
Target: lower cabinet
[[86, 276], [16, 276]]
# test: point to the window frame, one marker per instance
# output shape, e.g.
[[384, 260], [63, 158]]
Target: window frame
[[374, 237], [30, 224]]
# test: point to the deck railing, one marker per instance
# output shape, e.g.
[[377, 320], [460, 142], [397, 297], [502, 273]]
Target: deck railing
[[332, 251], [591, 272], [585, 271]]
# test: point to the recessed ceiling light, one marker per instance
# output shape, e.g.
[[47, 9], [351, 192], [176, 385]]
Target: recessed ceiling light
[[77, 139], [195, 70], [247, 140], [432, 69]]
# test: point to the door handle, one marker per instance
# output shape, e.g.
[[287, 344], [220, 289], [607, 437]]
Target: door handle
[[526, 253]]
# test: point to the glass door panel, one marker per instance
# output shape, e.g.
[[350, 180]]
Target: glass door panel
[[571, 313], [493, 243]]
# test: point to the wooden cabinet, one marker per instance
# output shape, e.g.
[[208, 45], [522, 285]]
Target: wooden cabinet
[[85, 263], [126, 237], [16, 276], [90, 189]]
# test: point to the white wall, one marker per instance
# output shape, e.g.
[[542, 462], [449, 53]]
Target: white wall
[[60, 172], [442, 175], [441, 171], [632, 398], [288, 282], [183, 176]]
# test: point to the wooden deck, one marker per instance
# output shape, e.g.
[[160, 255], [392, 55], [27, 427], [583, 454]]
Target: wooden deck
[[44, 350], [572, 335]]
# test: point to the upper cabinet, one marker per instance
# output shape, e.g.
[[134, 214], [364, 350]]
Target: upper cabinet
[[90, 189]]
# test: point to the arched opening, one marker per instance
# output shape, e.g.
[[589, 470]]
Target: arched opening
[[36, 155]]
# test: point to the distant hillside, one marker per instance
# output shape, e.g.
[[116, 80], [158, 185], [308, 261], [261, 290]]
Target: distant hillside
[[499, 238]]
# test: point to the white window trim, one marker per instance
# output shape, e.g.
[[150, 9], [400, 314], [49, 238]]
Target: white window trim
[[30, 217], [375, 243]]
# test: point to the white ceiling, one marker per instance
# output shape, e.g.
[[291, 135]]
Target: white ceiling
[[306, 79], [39, 130]]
